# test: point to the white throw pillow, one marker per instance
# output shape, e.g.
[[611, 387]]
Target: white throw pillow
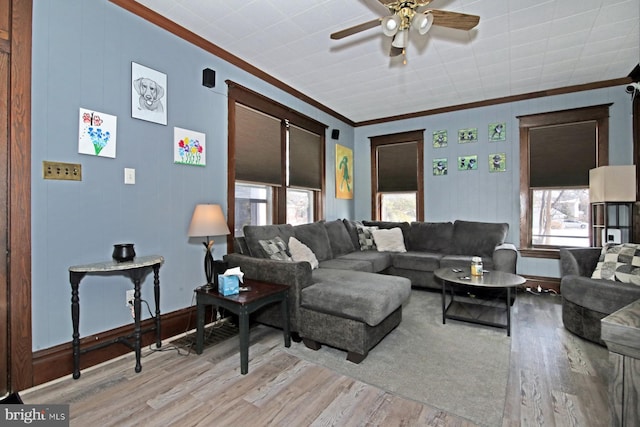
[[390, 240], [301, 252]]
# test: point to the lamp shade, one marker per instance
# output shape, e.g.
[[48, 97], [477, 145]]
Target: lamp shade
[[400, 39], [208, 220], [612, 184], [422, 22], [390, 25]]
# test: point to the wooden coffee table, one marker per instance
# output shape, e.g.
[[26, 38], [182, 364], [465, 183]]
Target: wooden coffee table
[[243, 304], [491, 279]]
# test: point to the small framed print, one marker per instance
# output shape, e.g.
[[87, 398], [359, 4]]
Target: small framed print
[[148, 94], [440, 139], [467, 135], [497, 162], [468, 163], [189, 147], [97, 133], [440, 167], [497, 132]]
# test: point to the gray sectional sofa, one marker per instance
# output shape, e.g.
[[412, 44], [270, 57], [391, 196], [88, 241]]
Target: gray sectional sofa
[[355, 296], [585, 301]]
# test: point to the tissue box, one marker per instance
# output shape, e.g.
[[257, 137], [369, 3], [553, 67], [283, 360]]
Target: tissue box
[[228, 285]]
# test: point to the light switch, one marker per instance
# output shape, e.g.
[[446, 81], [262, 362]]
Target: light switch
[[129, 176]]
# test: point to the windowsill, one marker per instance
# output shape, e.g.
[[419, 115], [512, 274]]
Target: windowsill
[[549, 253]]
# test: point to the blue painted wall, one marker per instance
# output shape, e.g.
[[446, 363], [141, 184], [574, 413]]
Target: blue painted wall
[[480, 195], [82, 54]]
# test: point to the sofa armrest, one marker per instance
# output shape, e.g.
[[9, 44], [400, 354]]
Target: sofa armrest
[[505, 258], [296, 275], [578, 261]]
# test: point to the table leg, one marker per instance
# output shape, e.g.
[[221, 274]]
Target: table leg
[[156, 294], [199, 325], [508, 311], [243, 316], [75, 278], [137, 336], [285, 320], [444, 298]]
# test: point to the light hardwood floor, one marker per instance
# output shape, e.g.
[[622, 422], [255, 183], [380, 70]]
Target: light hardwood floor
[[555, 379]]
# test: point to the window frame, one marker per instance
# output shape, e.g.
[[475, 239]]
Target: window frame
[[416, 136], [238, 94], [597, 113]]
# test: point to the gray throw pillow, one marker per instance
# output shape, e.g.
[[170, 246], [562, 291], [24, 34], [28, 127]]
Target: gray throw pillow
[[276, 249]]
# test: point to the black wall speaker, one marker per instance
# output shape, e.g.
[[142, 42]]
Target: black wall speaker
[[335, 133], [208, 78]]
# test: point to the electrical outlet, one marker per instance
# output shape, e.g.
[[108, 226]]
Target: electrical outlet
[[130, 297], [62, 171]]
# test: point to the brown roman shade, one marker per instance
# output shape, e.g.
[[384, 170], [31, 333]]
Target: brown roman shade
[[398, 167], [305, 159], [258, 148], [561, 156]]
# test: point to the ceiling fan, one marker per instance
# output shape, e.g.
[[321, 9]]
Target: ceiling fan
[[410, 14]]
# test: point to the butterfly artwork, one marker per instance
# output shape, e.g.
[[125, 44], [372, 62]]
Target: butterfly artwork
[[97, 133]]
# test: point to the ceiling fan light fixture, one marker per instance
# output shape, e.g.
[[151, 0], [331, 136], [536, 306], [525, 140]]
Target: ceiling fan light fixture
[[390, 25], [400, 40], [422, 22]]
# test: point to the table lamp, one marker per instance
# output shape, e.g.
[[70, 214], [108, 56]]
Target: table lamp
[[208, 221]]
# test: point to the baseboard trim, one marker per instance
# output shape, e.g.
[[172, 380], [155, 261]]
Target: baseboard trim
[[546, 283], [56, 362]]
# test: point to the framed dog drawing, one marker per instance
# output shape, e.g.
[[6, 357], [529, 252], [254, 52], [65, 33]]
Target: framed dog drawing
[[148, 94]]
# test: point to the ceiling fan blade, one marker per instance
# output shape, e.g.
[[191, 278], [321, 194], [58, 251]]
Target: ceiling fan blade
[[355, 29], [459, 21]]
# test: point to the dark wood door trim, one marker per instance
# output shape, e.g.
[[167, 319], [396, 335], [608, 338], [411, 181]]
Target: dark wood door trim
[[18, 196]]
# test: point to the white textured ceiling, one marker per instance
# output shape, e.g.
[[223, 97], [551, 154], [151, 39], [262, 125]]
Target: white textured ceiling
[[519, 46]]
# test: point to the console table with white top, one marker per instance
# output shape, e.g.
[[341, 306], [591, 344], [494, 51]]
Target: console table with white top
[[136, 269]]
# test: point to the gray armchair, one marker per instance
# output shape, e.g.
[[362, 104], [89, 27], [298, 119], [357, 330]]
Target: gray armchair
[[585, 301]]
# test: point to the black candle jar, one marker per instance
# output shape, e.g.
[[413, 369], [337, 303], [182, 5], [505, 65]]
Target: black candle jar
[[123, 252]]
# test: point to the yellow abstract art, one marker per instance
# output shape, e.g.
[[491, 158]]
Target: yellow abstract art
[[344, 172]]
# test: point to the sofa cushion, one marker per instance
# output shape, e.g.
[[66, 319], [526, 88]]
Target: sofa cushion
[[385, 225], [418, 261], [464, 261], [315, 236], [254, 233], [390, 240], [365, 297], [339, 238], [352, 229], [620, 263], [379, 260], [275, 248], [430, 236], [347, 264], [477, 238], [301, 252]]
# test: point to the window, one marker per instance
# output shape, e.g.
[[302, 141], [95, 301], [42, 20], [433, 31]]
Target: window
[[299, 206], [276, 162], [253, 205], [397, 174], [557, 150]]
